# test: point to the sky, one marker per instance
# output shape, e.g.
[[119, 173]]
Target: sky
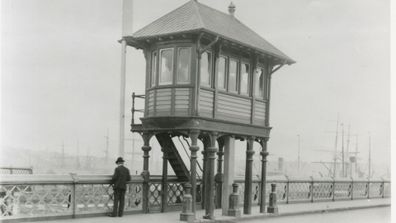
[[60, 73]]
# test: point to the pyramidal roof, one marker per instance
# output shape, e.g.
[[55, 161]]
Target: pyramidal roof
[[194, 16]]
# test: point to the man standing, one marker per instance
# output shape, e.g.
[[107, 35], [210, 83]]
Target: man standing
[[119, 180]]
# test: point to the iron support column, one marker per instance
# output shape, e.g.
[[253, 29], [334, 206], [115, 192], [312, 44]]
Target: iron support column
[[204, 171], [193, 169], [219, 175], [210, 184], [263, 182], [164, 186], [247, 204], [146, 174]]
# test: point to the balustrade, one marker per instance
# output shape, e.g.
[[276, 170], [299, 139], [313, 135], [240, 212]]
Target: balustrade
[[54, 196]]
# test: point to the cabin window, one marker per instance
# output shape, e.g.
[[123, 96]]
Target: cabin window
[[244, 79], [259, 83], [153, 69], [205, 68], [183, 65], [166, 66], [221, 73], [266, 83], [232, 76]]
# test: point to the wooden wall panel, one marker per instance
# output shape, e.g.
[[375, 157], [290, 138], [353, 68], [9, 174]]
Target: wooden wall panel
[[259, 113], [150, 105], [233, 108], [182, 101], [163, 102], [206, 103]]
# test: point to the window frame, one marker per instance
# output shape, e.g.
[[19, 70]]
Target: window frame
[[210, 69], [154, 69], [262, 95], [236, 75], [225, 81], [160, 66], [177, 65], [242, 62]]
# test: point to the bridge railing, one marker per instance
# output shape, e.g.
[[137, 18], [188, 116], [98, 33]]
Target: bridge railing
[[315, 190], [16, 170], [68, 196], [39, 197]]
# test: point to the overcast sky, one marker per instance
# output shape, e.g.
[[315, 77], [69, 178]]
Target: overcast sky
[[61, 62]]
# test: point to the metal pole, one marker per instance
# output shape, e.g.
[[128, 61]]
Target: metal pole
[[342, 147], [298, 136], [121, 150], [347, 151], [369, 164], [335, 150]]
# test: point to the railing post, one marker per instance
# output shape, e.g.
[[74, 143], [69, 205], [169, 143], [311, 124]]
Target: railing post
[[133, 108], [312, 189], [368, 189], [187, 212], [272, 206], [233, 209], [383, 189], [351, 188], [334, 189], [73, 194], [287, 189]]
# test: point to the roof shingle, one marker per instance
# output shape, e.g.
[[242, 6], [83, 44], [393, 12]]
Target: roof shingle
[[196, 16]]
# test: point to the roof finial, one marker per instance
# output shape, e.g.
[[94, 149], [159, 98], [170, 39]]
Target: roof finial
[[231, 9]]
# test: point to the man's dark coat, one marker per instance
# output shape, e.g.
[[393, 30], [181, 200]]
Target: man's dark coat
[[120, 177]]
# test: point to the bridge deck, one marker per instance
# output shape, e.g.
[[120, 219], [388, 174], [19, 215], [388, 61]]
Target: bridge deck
[[284, 209]]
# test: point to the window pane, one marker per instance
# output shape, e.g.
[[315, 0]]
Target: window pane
[[232, 76], [259, 83], [205, 67], [221, 69], [183, 65], [166, 68], [153, 69], [245, 78]]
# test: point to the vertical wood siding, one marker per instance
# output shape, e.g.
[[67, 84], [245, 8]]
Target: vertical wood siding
[[206, 103]]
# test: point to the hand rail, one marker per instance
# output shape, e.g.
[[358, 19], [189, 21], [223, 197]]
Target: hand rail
[[133, 110]]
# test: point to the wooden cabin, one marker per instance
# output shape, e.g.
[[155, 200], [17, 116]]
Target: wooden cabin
[[207, 76]]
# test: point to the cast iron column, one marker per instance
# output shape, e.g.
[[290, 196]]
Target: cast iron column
[[146, 174], [204, 171], [247, 204], [210, 183], [219, 175], [193, 169], [164, 186], [263, 182]]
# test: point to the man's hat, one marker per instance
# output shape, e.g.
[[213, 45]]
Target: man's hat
[[120, 160]]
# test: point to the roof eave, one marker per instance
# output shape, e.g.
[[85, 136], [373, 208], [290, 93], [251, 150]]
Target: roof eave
[[136, 42]]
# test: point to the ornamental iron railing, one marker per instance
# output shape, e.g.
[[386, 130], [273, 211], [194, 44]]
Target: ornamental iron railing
[[16, 170], [310, 190], [55, 196]]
